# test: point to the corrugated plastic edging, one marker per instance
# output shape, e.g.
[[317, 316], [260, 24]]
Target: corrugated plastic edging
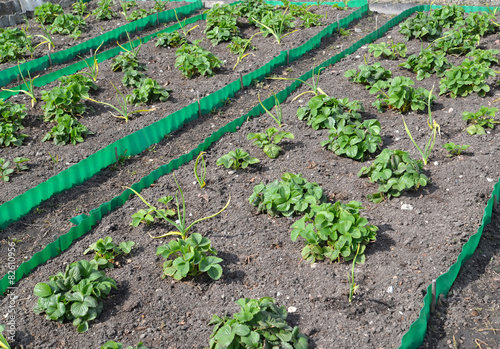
[[10, 74]]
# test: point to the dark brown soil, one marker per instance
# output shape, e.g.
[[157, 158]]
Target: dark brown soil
[[413, 246]]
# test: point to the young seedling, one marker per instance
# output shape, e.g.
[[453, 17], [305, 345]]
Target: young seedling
[[180, 224], [5, 170], [19, 163], [183, 25], [269, 140], [455, 149], [115, 345], [149, 216], [94, 68], [122, 108], [352, 285], [30, 87], [106, 251], [47, 39], [314, 86], [435, 129], [277, 26], [479, 120], [200, 178], [279, 112], [241, 51], [236, 159]]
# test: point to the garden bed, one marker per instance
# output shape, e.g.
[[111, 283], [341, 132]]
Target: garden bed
[[413, 246]]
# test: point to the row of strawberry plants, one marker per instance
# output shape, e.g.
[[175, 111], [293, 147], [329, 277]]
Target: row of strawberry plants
[[16, 44]]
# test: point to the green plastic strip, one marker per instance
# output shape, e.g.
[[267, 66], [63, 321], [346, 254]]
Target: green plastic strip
[[10, 74], [135, 143]]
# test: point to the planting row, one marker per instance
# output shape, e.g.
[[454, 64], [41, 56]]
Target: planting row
[[51, 25]]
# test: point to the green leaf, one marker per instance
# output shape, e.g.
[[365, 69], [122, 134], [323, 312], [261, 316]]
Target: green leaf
[[42, 290]]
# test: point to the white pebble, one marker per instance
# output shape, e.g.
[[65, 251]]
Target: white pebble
[[489, 179], [407, 207], [292, 309], [390, 289], [436, 163]]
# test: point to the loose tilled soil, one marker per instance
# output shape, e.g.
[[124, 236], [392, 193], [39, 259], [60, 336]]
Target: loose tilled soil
[[412, 248]]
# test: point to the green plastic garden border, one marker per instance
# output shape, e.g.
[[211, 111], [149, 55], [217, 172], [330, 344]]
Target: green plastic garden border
[[10, 74], [135, 143], [415, 335]]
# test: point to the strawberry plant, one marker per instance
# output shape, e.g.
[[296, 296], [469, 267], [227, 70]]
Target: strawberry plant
[[79, 8], [334, 231], [137, 14], [5, 170], [484, 56], [276, 23], [388, 50], [149, 216], [192, 59], [11, 117], [103, 12], [173, 39], [67, 130], [68, 24], [75, 295], [115, 345], [239, 46], [421, 27], [191, 258], [148, 91], [78, 79], [14, 44], [449, 15], [268, 141], [480, 23], [398, 93], [368, 74], [127, 61], [395, 171], [253, 9], [292, 195], [259, 324], [64, 100], [355, 141], [454, 149], [466, 78], [456, 41], [47, 13], [236, 159], [132, 78], [221, 24], [324, 112], [484, 117], [106, 251], [426, 63], [308, 18]]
